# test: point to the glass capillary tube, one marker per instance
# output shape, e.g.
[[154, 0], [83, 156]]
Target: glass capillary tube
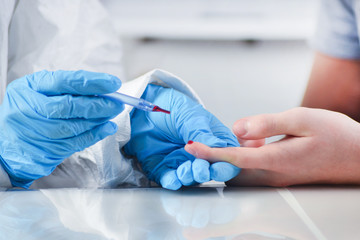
[[139, 103]]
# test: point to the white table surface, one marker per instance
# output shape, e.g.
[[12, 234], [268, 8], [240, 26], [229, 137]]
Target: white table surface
[[316, 212]]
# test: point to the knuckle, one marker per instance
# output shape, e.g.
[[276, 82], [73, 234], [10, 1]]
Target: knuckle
[[299, 113], [299, 110], [265, 124], [204, 153]]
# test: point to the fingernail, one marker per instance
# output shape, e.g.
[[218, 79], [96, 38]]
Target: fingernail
[[241, 128], [190, 142]]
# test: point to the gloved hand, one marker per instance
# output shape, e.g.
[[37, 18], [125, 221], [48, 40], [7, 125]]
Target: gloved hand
[[158, 140], [47, 116]]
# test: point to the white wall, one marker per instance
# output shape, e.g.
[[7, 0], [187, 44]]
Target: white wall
[[234, 79]]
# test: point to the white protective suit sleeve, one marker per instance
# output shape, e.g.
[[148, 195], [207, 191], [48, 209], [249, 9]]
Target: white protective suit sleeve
[[62, 34], [103, 164], [7, 8]]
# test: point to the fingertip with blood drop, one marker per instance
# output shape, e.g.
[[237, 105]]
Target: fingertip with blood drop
[[190, 149]]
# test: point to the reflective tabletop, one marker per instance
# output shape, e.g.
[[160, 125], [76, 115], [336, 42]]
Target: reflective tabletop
[[190, 213]]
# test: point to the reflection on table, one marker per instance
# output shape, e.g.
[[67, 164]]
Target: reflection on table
[[191, 213]]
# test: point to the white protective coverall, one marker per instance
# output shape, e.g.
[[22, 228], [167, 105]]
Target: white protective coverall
[[73, 35]]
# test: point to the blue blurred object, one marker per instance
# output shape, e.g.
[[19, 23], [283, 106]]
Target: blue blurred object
[[158, 140], [47, 116], [211, 207]]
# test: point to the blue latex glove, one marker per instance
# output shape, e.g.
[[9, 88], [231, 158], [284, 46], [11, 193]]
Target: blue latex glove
[[47, 116], [158, 140]]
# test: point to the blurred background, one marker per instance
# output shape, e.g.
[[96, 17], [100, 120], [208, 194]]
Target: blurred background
[[243, 57]]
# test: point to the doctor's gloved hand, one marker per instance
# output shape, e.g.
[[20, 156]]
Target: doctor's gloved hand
[[158, 140], [47, 116]]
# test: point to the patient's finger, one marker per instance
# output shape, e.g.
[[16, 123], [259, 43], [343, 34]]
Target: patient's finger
[[265, 157], [292, 122]]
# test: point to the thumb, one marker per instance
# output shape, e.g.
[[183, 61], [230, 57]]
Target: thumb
[[292, 122]]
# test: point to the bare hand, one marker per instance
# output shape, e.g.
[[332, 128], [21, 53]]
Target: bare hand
[[319, 147]]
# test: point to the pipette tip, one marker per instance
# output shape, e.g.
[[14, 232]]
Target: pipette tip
[[159, 109]]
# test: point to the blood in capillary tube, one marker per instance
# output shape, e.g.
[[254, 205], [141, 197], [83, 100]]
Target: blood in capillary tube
[[159, 109]]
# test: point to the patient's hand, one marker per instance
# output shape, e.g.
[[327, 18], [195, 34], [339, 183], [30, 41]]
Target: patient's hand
[[158, 140], [319, 147]]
